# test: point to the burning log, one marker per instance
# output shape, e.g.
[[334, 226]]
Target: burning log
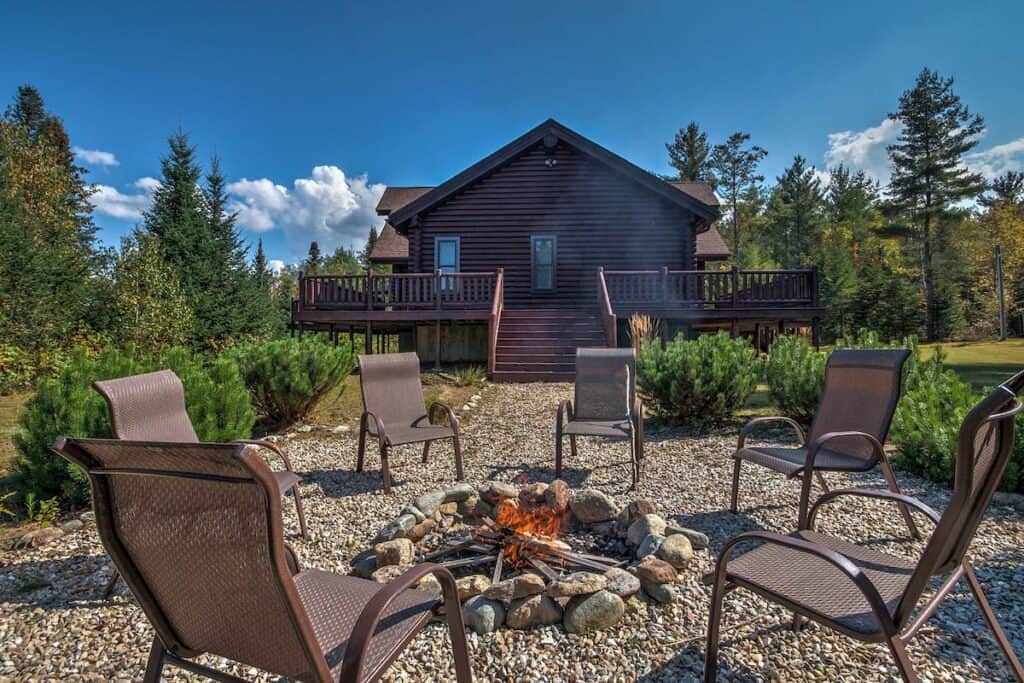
[[469, 561], [498, 567]]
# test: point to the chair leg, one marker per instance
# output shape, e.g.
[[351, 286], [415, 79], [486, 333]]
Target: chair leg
[[572, 446], [457, 446], [108, 591], [426, 452], [737, 463], [155, 664], [711, 649], [899, 653], [805, 497], [385, 470], [890, 479], [360, 458], [821, 481], [299, 512], [460, 651], [558, 451], [633, 461], [993, 623]]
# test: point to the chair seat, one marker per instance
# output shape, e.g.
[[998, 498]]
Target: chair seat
[[286, 480], [790, 461], [820, 587], [401, 434], [334, 603], [619, 429]]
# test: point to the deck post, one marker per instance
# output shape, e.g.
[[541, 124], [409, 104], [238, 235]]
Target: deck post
[[368, 289], [664, 285], [734, 329], [369, 337], [735, 275], [437, 344], [437, 289], [816, 333]]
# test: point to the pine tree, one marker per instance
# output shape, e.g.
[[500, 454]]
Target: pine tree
[[928, 178], [794, 218], [261, 271], [364, 255], [688, 153], [47, 255], [314, 260], [733, 172], [1006, 189]]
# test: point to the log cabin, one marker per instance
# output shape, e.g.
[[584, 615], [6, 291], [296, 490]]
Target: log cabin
[[548, 244]]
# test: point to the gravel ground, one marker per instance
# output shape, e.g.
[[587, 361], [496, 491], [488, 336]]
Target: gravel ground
[[52, 624]]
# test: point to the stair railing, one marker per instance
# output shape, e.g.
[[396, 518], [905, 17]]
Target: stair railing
[[608, 319], [497, 306]]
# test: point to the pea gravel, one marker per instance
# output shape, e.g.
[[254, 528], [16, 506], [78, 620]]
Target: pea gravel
[[53, 625]]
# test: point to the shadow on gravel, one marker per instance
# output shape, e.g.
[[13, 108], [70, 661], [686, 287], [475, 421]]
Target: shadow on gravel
[[347, 483], [688, 665], [55, 584], [719, 525]]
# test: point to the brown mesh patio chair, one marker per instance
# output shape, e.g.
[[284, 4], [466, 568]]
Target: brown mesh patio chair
[[394, 411], [862, 388], [605, 405], [196, 530], [151, 407], [866, 594]]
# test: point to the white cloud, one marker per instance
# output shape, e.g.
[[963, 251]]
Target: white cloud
[[275, 265], [864, 150], [128, 206], [96, 157], [328, 207], [995, 161]]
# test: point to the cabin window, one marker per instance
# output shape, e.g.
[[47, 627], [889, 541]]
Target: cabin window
[[446, 258], [542, 257]]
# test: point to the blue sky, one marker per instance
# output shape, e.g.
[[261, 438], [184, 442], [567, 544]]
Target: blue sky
[[315, 107]]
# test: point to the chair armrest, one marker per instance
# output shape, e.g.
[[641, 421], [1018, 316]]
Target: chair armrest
[[827, 498], [453, 419], [749, 427], [812, 450], [274, 448], [843, 564], [292, 558], [564, 412], [366, 624], [638, 413]]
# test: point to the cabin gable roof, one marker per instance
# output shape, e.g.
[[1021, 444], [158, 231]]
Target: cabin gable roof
[[700, 202]]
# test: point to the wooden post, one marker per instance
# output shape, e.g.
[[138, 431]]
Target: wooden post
[[1000, 293], [757, 337], [816, 333], [735, 285], [664, 285], [437, 289], [368, 342], [734, 330], [815, 295], [437, 344]]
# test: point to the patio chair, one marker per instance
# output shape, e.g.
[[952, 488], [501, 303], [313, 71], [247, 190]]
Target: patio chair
[[151, 406], [852, 422], [605, 405], [196, 530], [394, 411], [866, 594]]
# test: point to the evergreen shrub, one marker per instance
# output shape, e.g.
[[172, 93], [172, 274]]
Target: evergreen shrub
[[697, 382], [65, 404], [288, 377], [795, 374]]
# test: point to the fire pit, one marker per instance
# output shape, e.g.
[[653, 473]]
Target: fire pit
[[536, 554]]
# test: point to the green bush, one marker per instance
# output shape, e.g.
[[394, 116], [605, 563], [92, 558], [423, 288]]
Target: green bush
[[934, 403], [697, 382], [17, 369], [795, 373], [287, 378], [66, 404]]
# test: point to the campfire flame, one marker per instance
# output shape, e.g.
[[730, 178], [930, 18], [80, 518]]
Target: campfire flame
[[527, 525]]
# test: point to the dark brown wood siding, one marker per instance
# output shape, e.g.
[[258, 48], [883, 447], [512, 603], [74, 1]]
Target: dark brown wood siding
[[599, 218]]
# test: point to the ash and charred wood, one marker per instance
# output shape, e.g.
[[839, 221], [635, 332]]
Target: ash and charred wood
[[499, 565], [610, 561], [543, 567], [448, 550], [469, 561]]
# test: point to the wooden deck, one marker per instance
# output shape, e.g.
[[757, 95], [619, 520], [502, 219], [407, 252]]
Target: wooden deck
[[739, 300]]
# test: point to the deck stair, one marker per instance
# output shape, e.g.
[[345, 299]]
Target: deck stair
[[539, 345]]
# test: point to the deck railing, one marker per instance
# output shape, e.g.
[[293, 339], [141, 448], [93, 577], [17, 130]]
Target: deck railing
[[716, 288], [396, 291], [494, 322], [604, 305]]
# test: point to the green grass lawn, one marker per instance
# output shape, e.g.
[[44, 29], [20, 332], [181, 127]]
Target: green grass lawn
[[984, 363]]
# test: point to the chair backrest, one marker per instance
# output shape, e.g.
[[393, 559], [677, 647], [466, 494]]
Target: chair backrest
[[149, 407], [984, 448], [862, 389], [197, 534], [605, 383], [391, 388]]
